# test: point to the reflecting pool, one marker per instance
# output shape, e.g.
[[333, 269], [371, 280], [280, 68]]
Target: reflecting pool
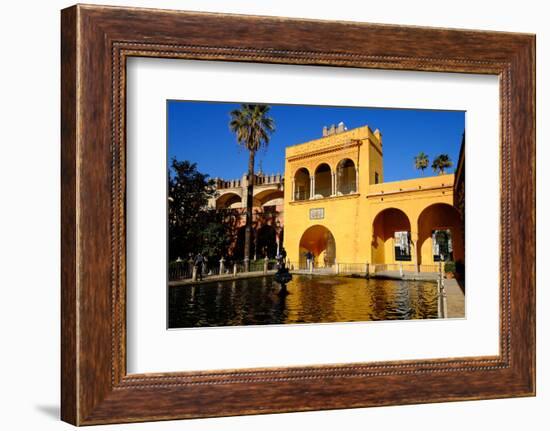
[[311, 299]]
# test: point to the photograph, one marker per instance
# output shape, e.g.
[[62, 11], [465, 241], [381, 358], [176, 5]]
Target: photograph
[[299, 214], [264, 210]]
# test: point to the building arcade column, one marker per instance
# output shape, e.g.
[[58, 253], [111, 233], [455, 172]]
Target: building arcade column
[[414, 240]]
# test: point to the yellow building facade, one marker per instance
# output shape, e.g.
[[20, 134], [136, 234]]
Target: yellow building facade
[[339, 209]]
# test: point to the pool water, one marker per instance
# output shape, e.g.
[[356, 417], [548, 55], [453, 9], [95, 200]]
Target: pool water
[[311, 299]]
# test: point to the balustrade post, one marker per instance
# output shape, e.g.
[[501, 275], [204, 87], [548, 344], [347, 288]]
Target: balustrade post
[[222, 266], [442, 299], [190, 266], [234, 269], [265, 264]]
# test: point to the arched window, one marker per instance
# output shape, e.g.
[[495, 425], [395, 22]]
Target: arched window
[[346, 177], [302, 185], [323, 181]]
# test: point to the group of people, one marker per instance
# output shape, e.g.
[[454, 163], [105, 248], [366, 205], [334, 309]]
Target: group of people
[[310, 260], [200, 262]]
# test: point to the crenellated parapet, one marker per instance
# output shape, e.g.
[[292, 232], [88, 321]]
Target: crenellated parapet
[[268, 190]]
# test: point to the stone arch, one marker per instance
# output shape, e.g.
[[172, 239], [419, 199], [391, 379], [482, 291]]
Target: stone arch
[[229, 200], [442, 221], [266, 242], [302, 185], [269, 197], [391, 237], [320, 242], [346, 177], [323, 181]]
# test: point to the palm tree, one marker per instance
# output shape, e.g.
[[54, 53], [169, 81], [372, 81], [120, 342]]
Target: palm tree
[[253, 128], [421, 161], [441, 162]]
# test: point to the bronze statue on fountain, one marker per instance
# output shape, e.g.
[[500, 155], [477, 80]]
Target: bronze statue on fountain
[[282, 276]]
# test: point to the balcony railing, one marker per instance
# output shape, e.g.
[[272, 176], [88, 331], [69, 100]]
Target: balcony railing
[[301, 195], [322, 192], [352, 268], [185, 270], [347, 189]]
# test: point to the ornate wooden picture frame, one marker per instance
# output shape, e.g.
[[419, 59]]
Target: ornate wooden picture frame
[[96, 42]]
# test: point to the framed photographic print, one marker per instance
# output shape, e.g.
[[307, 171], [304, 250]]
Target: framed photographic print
[[322, 214]]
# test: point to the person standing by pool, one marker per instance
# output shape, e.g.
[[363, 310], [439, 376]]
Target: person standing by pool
[[309, 260], [199, 261]]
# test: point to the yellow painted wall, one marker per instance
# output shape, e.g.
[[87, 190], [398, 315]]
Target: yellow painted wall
[[350, 218]]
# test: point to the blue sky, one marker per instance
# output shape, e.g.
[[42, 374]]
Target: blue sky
[[199, 132]]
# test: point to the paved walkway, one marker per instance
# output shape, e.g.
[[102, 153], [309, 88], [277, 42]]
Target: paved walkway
[[407, 275], [212, 278], [316, 271], [456, 306]]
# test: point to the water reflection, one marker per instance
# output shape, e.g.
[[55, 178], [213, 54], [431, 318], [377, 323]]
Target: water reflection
[[312, 299]]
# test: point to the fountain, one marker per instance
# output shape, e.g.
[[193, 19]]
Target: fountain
[[282, 276]]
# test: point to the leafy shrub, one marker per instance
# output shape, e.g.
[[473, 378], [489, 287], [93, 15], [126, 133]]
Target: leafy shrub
[[450, 267]]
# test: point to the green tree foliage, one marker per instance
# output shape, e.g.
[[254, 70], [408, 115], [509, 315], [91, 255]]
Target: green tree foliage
[[441, 162], [192, 226], [421, 161], [214, 237]]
